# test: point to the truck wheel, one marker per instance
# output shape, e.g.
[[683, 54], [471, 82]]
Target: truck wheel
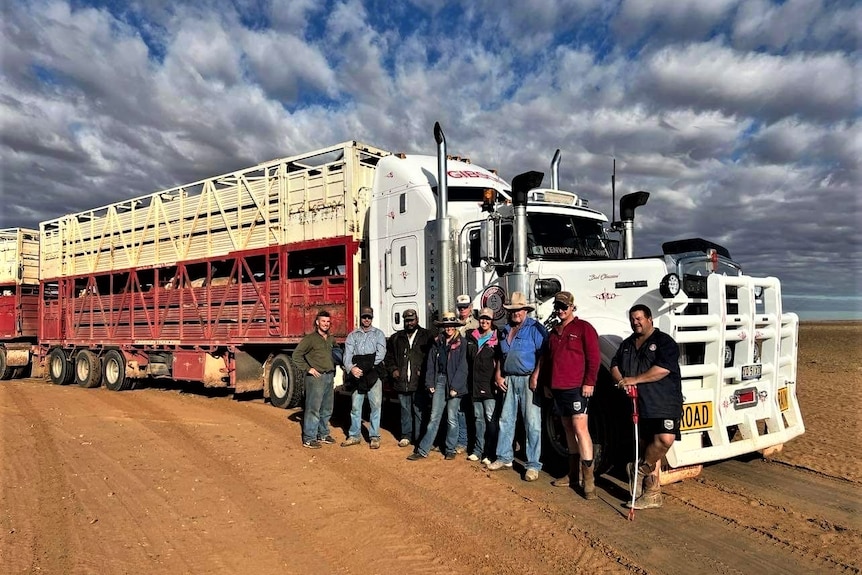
[[5, 371], [555, 433], [59, 368], [114, 371], [285, 383], [88, 369]]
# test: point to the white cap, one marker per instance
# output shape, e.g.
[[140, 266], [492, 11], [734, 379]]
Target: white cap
[[463, 300]]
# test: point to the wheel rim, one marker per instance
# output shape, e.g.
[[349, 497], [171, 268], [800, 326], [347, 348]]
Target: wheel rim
[[57, 366], [112, 371], [82, 369], [279, 382]]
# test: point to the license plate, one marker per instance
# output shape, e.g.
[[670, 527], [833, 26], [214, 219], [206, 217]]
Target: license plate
[[783, 398], [696, 416], [752, 371]]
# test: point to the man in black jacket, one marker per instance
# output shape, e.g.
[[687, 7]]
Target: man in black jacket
[[406, 357]]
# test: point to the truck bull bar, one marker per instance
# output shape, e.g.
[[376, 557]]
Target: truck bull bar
[[738, 367]]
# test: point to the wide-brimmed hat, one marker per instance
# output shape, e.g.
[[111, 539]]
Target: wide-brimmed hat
[[518, 301], [449, 319]]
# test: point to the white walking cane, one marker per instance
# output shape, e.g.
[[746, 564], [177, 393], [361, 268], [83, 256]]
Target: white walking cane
[[632, 392]]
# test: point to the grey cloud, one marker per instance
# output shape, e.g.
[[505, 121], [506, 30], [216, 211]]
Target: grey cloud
[[711, 76]]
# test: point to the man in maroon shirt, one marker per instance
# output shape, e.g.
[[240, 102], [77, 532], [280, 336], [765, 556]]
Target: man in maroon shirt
[[574, 358]]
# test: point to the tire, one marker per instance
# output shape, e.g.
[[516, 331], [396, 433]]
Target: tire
[[6, 372], [284, 383], [88, 369], [59, 369], [114, 371]]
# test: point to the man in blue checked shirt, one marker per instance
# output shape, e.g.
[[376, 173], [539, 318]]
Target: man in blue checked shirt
[[364, 352]]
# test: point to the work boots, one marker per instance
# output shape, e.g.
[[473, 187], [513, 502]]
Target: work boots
[[589, 481], [647, 486], [572, 477], [650, 498], [636, 479]]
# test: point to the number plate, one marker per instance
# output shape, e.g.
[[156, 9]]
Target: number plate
[[752, 371], [783, 398], [696, 416]]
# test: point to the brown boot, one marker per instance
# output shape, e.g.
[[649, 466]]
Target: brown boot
[[572, 477], [650, 498], [589, 481]]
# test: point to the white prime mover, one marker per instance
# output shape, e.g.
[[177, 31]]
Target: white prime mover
[[216, 282]]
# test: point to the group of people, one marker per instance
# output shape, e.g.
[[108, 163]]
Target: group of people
[[472, 371]]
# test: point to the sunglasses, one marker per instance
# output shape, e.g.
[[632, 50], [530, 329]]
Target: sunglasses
[[366, 316], [560, 306]]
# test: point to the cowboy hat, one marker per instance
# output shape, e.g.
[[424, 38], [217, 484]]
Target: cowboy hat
[[449, 319], [518, 301]]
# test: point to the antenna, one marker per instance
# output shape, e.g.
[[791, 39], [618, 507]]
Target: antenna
[[614, 193]]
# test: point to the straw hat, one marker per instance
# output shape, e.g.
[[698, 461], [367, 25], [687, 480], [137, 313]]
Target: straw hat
[[518, 301], [449, 319]]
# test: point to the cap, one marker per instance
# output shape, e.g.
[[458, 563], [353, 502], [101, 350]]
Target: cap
[[366, 311], [565, 297], [463, 301], [409, 314], [486, 313]]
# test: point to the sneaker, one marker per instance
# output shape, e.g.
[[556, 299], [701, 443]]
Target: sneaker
[[313, 444], [375, 443], [450, 456], [350, 441], [404, 442], [648, 500], [486, 461], [472, 457], [531, 475], [416, 456], [328, 440], [459, 449], [498, 465]]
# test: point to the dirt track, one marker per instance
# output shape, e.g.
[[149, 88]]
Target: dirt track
[[162, 481]]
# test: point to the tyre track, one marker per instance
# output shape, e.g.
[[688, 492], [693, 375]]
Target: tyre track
[[37, 533]]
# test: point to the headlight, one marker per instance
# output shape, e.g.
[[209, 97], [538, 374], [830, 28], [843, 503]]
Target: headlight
[[546, 288], [669, 286]]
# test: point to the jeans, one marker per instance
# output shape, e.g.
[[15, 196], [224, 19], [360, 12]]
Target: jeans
[[486, 427], [439, 404], [411, 415], [462, 421], [318, 406], [375, 400], [520, 395]]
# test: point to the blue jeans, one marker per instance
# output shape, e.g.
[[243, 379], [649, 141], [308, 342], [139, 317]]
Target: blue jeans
[[411, 415], [375, 400], [486, 427], [439, 404], [318, 407], [520, 396], [462, 421]]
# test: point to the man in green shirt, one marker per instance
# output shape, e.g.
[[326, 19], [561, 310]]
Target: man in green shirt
[[313, 357]]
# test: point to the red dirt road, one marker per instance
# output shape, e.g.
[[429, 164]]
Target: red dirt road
[[162, 481]]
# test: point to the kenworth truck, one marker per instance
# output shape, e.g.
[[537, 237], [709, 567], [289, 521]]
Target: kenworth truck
[[19, 300], [218, 280]]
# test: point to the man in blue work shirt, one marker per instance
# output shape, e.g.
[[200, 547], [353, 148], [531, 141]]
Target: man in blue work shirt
[[522, 346], [364, 352]]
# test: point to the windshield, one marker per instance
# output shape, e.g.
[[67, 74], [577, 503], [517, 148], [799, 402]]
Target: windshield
[[567, 238]]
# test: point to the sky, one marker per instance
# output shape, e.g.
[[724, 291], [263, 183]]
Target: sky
[[741, 118]]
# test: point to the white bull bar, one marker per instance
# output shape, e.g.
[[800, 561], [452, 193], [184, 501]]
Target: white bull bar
[[726, 414]]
